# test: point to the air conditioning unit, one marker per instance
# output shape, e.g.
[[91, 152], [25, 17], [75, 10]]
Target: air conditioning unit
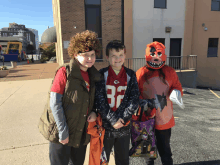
[[168, 29]]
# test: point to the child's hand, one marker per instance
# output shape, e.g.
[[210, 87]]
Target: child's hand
[[119, 123], [152, 113], [64, 141], [152, 117], [92, 117]]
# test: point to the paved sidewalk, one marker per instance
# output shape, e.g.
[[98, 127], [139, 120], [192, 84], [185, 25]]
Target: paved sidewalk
[[21, 105], [31, 71]]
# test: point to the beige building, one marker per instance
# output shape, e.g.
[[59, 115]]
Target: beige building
[[186, 27], [202, 33]]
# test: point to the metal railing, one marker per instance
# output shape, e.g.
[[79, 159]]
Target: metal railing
[[177, 62]]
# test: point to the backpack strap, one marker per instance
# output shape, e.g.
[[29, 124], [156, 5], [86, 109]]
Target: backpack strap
[[67, 66]]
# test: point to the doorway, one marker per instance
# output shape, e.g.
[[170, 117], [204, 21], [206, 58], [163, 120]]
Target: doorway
[[175, 53]]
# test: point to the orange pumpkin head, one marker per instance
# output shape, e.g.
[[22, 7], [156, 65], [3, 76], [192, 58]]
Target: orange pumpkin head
[[155, 55]]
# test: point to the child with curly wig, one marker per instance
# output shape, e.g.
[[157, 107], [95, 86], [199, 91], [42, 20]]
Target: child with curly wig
[[71, 101]]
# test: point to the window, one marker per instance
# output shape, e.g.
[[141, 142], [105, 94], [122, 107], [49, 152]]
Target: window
[[213, 47], [215, 5], [93, 17], [92, 2], [162, 40], [28, 36], [160, 4]]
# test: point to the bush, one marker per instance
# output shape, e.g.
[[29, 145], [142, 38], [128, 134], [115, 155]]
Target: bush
[[44, 59], [3, 68], [49, 51]]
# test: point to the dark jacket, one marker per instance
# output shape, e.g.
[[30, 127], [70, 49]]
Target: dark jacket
[[76, 101], [126, 109]]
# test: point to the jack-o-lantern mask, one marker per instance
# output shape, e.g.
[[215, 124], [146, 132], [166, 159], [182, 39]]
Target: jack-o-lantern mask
[[155, 55]]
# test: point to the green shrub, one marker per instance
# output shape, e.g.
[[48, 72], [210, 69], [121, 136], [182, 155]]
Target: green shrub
[[44, 58], [50, 51]]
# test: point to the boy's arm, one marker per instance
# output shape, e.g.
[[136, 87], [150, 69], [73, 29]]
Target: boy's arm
[[58, 114], [176, 91], [133, 100], [56, 96], [102, 106], [139, 75], [175, 83]]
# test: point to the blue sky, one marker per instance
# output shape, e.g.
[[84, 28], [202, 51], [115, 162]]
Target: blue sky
[[33, 14]]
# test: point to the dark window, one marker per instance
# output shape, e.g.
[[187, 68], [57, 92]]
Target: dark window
[[93, 17], [215, 5], [160, 4], [213, 47], [162, 40], [92, 2]]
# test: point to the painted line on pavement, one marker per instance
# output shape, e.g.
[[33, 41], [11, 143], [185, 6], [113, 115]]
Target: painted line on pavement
[[214, 93], [176, 117]]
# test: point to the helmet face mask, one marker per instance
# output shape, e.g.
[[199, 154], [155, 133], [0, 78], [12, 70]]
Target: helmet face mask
[[155, 55]]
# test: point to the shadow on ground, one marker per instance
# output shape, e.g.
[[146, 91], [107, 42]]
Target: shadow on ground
[[207, 88], [18, 70], [213, 162], [17, 76], [189, 93], [14, 71]]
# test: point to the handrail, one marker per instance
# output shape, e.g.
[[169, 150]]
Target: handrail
[[188, 62]]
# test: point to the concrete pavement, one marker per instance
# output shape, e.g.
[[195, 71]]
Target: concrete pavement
[[194, 140], [21, 104], [31, 71], [22, 100]]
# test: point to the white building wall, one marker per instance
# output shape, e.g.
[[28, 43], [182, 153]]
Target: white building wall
[[150, 22]]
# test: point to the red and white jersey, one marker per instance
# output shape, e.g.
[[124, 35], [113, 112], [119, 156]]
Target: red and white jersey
[[115, 87]]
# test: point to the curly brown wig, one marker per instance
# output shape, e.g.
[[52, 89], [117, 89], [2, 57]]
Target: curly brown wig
[[82, 42]]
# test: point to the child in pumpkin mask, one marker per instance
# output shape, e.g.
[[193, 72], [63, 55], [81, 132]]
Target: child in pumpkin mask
[[159, 86]]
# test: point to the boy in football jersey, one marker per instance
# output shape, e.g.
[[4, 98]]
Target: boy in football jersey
[[116, 99]]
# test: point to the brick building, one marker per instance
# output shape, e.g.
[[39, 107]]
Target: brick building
[[104, 17], [186, 27]]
